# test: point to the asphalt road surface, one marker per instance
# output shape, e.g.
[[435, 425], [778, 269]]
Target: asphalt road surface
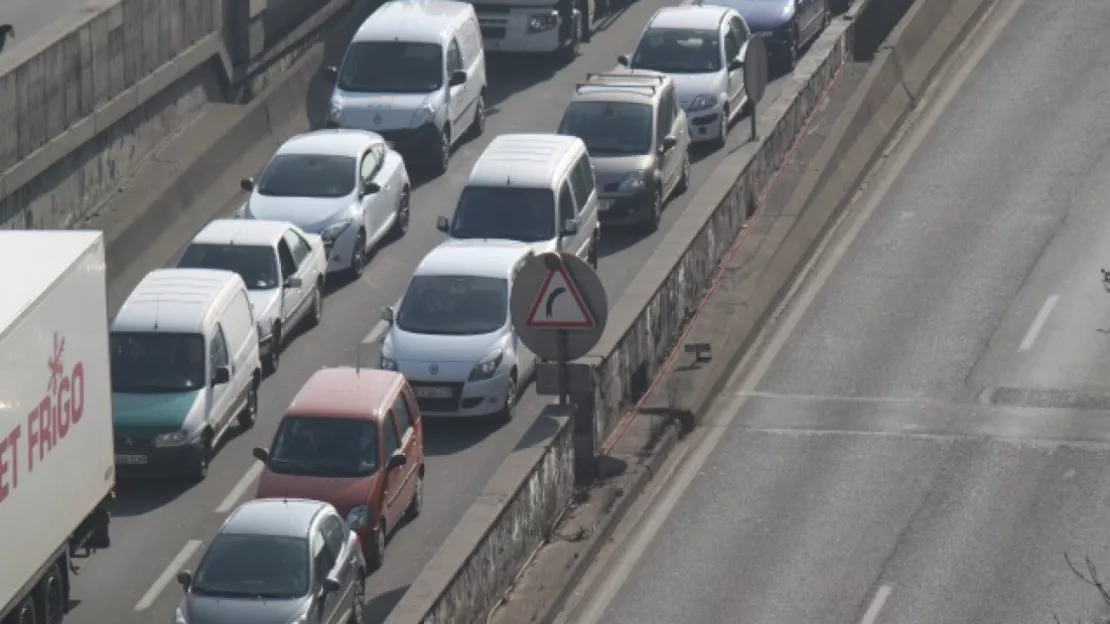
[[159, 528], [30, 16], [926, 432]]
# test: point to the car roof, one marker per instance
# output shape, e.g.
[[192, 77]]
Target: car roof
[[331, 142], [622, 85], [274, 516], [704, 16], [54, 252], [428, 21], [346, 392], [172, 300], [526, 159], [242, 232], [474, 257]]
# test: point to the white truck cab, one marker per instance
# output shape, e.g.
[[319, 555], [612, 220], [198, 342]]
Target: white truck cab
[[535, 26]]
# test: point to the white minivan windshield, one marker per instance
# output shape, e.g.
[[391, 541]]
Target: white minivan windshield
[[458, 305], [157, 362], [392, 67]]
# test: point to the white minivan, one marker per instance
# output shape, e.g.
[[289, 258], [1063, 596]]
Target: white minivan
[[185, 367], [415, 73], [533, 188]]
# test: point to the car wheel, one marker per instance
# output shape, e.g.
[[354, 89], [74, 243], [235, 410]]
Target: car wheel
[[721, 139], [684, 181], [316, 313], [200, 470], [357, 605], [478, 126], [570, 52], [654, 215], [377, 556], [53, 597], [358, 255], [26, 613], [790, 53], [591, 254], [510, 398], [443, 155], [401, 222], [273, 360], [249, 415], [416, 505], [828, 15]]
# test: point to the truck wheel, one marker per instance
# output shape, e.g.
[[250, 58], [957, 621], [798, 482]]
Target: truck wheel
[[54, 596], [25, 613], [249, 415]]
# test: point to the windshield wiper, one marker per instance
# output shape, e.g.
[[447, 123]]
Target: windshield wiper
[[224, 593]]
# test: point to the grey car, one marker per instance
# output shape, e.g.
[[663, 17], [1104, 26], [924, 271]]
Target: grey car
[[277, 561], [787, 25], [637, 137]]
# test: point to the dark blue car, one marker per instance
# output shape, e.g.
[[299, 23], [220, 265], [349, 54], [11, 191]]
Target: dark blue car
[[787, 25]]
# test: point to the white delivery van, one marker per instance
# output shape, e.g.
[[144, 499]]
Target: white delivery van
[[185, 367], [56, 472], [533, 188], [415, 73], [536, 26]]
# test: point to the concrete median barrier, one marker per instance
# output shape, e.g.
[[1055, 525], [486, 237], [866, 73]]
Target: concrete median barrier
[[85, 101], [469, 574]]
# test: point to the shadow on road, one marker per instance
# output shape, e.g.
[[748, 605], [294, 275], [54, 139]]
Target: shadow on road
[[447, 436], [378, 607]]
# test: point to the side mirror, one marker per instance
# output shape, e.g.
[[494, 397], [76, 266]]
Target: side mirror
[[369, 188], [458, 78], [331, 72], [735, 64], [261, 454], [623, 60], [185, 578], [396, 460], [331, 585], [247, 184], [443, 224], [669, 143], [221, 375], [570, 227], [387, 314], [293, 282]]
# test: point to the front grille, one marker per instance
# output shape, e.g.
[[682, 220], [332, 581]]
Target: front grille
[[493, 32], [435, 404]]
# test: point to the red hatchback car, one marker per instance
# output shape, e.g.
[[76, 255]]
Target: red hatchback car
[[353, 438]]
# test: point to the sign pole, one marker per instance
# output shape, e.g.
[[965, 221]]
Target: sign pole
[[564, 390], [755, 127]]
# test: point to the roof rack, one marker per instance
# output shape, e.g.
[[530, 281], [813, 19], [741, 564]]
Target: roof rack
[[603, 87], [652, 77]]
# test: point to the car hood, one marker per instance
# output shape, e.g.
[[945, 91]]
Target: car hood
[[381, 111], [427, 348], [142, 414], [342, 493], [764, 16], [311, 214], [265, 303], [212, 610], [690, 86], [609, 171]]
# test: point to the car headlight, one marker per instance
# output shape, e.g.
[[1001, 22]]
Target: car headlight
[[634, 181], [174, 438], [543, 21], [387, 363], [179, 617], [243, 212], [423, 115], [335, 111], [358, 517], [332, 232], [703, 102], [488, 366]]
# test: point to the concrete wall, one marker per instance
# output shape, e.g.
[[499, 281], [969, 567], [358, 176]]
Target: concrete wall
[[87, 99], [499, 532]]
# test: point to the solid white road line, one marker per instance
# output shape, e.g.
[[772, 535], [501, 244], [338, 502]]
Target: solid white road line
[[240, 488], [167, 575], [377, 332], [872, 614], [595, 608], [1038, 323]]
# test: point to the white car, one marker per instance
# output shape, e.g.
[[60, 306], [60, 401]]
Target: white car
[[703, 48], [451, 334], [348, 186], [283, 267]]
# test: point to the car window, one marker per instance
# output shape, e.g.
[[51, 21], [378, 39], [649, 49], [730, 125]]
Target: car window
[[335, 535], [673, 97], [401, 413], [663, 120], [454, 57], [566, 204], [582, 179], [298, 245], [389, 434], [411, 405], [288, 264], [217, 349], [325, 558], [732, 46], [370, 164], [740, 29]]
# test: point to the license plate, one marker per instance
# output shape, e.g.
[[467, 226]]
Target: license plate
[[131, 460], [433, 392]]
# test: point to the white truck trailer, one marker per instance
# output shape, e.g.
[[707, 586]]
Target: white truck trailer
[[57, 472], [536, 26]]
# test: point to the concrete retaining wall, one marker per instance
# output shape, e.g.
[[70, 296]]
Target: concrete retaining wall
[[86, 100]]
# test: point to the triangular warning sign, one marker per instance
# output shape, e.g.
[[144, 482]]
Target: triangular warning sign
[[559, 305]]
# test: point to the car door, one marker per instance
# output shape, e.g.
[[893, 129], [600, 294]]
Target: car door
[[809, 16], [410, 446], [459, 97], [731, 44], [526, 359], [289, 296], [664, 126], [680, 130], [569, 210], [220, 396], [324, 560], [585, 198], [306, 272], [392, 501], [344, 570], [375, 206]]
